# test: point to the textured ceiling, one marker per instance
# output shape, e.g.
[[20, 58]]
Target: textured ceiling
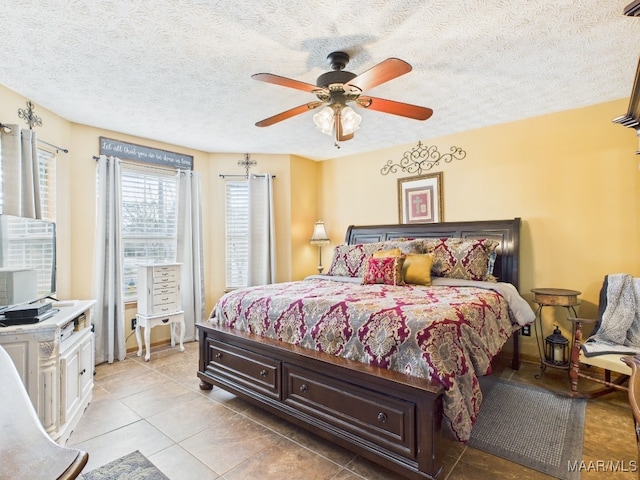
[[179, 71]]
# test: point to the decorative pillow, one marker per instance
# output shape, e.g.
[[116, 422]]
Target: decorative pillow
[[417, 268], [406, 246], [466, 259], [350, 260], [394, 252], [386, 270]]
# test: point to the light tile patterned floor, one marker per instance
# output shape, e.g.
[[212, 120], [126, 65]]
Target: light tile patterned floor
[[158, 408]]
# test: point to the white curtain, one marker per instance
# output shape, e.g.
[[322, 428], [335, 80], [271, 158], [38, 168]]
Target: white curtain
[[20, 176], [189, 252], [262, 240], [107, 282]]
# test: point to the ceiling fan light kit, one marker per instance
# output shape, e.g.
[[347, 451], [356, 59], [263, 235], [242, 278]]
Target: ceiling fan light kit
[[325, 119], [337, 88]]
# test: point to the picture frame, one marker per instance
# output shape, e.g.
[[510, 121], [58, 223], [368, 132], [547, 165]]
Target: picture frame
[[420, 199]]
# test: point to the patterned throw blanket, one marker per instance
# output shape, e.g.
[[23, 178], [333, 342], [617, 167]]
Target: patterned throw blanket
[[445, 333], [618, 328]]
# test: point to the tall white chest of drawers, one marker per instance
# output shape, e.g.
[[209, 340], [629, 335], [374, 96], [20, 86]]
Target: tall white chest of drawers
[[159, 303]]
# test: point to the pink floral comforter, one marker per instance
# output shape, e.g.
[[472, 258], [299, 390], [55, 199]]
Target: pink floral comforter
[[445, 333]]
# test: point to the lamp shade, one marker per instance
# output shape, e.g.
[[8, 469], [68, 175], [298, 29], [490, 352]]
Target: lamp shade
[[325, 119], [319, 236], [350, 120]]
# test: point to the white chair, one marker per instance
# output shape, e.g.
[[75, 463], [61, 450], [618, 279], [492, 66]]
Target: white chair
[[26, 450]]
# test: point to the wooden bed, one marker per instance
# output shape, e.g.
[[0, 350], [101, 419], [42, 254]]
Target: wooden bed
[[388, 417]]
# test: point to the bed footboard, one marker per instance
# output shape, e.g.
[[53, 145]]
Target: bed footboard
[[387, 417]]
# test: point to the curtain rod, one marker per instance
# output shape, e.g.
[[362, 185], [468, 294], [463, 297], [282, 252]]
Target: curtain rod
[[238, 175], [149, 166], [58, 149], [7, 129]]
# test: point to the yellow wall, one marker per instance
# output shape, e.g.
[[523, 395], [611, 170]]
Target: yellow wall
[[295, 205], [572, 177]]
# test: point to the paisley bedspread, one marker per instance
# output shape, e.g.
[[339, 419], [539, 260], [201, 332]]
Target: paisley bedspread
[[445, 333]]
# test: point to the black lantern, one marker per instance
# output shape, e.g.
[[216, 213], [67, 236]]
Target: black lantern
[[556, 349]]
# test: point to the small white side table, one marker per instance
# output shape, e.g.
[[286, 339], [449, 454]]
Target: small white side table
[[176, 320]]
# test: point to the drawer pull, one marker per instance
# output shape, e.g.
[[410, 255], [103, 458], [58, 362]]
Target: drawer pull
[[382, 417], [218, 356], [263, 373], [304, 388]]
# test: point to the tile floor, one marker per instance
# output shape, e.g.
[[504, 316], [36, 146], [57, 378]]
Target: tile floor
[[158, 408]]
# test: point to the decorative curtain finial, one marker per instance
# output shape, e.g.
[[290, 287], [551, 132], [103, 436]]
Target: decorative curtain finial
[[29, 116], [247, 163], [421, 158]]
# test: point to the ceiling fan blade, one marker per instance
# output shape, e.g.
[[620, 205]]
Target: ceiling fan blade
[[379, 74], [284, 81], [395, 108], [337, 124], [288, 114]]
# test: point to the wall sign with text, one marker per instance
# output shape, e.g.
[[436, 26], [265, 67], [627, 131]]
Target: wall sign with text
[[139, 153]]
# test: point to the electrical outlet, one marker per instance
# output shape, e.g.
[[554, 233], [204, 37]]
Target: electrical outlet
[[526, 330], [134, 322]]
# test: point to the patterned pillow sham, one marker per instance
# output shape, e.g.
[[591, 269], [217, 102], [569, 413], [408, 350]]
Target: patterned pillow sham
[[385, 270], [350, 260], [465, 259]]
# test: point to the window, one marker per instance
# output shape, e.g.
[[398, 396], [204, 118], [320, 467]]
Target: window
[[47, 169], [237, 232], [149, 221]]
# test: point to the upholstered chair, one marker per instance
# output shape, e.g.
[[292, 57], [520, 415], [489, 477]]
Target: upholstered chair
[[26, 450]]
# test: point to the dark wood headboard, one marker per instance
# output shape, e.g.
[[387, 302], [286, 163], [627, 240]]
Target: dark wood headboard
[[507, 232]]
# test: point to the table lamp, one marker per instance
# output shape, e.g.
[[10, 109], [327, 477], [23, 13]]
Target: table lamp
[[319, 238]]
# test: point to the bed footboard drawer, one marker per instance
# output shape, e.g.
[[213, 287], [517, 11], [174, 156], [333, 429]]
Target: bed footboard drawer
[[244, 369], [382, 420]]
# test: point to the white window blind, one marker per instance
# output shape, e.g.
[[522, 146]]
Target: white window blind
[[149, 221], [237, 232], [47, 169]]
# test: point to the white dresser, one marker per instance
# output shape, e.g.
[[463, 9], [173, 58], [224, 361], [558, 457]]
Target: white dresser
[[159, 303], [55, 359]]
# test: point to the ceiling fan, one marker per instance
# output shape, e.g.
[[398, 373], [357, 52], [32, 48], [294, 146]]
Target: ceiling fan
[[338, 88]]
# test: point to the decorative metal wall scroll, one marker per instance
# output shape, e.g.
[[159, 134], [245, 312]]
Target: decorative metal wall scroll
[[247, 163], [422, 158], [28, 116]]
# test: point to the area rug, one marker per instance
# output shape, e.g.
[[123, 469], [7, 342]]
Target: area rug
[[133, 466], [532, 427]]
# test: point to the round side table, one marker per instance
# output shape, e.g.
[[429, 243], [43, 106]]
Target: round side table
[[553, 297]]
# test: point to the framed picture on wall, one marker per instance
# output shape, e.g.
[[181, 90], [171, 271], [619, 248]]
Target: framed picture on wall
[[420, 199]]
